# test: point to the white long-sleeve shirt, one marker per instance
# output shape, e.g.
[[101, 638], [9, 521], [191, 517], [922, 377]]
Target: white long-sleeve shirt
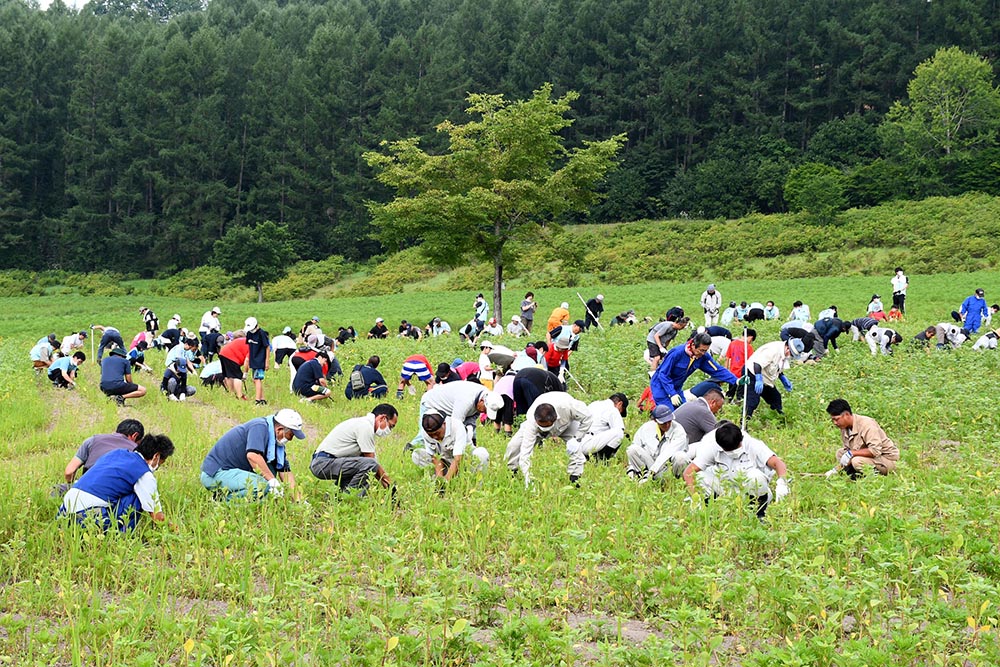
[[660, 447], [568, 411], [457, 401]]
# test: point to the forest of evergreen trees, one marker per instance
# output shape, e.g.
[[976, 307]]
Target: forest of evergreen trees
[[134, 134]]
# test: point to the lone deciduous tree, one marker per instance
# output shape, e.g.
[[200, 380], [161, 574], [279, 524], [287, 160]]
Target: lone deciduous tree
[[503, 175], [255, 255], [953, 106]]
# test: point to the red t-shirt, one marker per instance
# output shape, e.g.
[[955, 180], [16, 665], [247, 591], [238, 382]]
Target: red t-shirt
[[236, 351], [737, 359]]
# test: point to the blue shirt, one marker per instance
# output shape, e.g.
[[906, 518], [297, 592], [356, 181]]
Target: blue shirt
[[114, 475], [62, 364], [677, 367], [372, 379], [113, 371], [230, 452], [309, 373], [974, 309]]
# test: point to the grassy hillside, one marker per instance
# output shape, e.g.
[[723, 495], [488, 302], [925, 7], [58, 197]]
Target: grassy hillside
[[944, 234], [901, 570]]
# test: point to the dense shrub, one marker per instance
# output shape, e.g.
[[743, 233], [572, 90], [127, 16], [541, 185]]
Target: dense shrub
[[205, 282], [304, 278]]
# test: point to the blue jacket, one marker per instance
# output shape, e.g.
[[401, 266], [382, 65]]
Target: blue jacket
[[829, 328], [677, 367], [974, 310]]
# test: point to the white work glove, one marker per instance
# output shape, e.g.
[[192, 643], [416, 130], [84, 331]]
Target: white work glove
[[572, 445], [845, 459], [780, 490], [470, 432], [663, 350], [274, 488], [676, 400]]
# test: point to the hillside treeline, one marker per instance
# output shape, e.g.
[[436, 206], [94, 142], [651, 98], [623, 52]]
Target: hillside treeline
[[134, 134]]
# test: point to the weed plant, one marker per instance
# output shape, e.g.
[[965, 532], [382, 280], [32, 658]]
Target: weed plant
[[901, 570]]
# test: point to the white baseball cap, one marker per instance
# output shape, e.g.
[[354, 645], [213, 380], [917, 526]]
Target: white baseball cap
[[378, 320], [564, 305], [250, 324], [600, 297], [216, 310], [494, 402], [290, 419]]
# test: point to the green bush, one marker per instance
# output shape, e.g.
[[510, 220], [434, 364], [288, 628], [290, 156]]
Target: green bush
[[305, 277], [393, 274], [205, 282], [19, 283]]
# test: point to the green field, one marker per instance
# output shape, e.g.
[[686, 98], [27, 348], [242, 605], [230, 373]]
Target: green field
[[902, 570]]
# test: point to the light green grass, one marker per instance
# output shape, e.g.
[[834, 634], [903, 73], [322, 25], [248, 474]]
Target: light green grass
[[883, 571]]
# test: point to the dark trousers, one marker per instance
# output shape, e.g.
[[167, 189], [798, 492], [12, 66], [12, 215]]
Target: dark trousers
[[771, 396], [107, 338], [899, 301], [525, 393]]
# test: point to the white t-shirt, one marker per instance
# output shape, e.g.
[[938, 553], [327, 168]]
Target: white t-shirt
[[350, 438], [753, 455]]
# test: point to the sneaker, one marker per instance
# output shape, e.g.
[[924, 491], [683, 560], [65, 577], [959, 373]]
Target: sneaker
[[182, 397], [399, 394], [413, 391], [120, 400], [260, 402], [172, 397]]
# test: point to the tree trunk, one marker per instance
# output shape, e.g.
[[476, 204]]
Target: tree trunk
[[260, 292], [498, 289]]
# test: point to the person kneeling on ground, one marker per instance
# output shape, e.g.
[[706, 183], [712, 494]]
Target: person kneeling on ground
[[442, 450], [310, 379], [729, 458], [864, 442], [62, 371], [347, 453], [175, 379], [249, 460], [116, 377], [365, 381], [120, 487], [658, 442]]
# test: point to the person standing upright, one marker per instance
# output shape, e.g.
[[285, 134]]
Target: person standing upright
[[711, 302], [528, 308], [899, 285]]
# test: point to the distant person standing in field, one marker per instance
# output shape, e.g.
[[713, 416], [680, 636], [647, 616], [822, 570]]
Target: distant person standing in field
[[116, 377], [864, 443], [528, 308], [150, 321], [711, 303], [258, 356], [595, 308], [120, 487], [209, 324], [126, 436], [973, 311], [899, 284], [482, 309], [249, 460]]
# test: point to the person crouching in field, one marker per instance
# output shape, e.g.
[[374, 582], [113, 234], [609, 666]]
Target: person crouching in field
[[126, 436], [865, 444], [43, 352], [62, 371], [249, 461], [310, 380], [415, 364], [730, 459], [116, 377], [657, 444], [347, 454], [444, 447], [120, 487]]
